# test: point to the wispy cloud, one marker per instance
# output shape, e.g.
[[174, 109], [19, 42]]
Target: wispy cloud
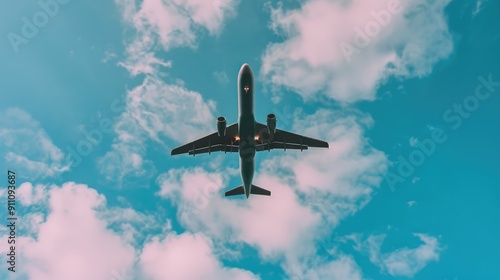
[[478, 8], [403, 261], [168, 24], [27, 148], [155, 111], [342, 268], [221, 77]]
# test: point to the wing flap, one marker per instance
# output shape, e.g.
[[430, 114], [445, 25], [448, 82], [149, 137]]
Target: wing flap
[[212, 141], [279, 145], [216, 148], [282, 139]]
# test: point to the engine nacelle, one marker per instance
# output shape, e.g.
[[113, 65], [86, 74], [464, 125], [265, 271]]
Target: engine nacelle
[[271, 123], [221, 126]]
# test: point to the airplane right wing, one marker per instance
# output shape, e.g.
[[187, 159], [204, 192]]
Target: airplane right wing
[[285, 140], [211, 143]]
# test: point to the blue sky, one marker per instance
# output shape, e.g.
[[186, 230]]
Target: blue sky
[[96, 94]]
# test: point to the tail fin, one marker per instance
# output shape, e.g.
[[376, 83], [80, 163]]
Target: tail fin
[[236, 191], [259, 191]]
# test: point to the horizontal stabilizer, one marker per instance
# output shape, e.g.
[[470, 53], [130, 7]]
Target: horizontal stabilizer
[[259, 191], [236, 191]]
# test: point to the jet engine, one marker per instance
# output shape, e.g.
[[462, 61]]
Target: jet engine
[[221, 126], [271, 124]]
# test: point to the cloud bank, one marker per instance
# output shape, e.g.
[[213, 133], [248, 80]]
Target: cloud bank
[[345, 50]]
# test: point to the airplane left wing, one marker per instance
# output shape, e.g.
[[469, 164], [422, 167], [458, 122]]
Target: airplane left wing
[[211, 143], [285, 140]]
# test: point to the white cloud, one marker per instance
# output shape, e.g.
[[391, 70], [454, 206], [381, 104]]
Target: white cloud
[[343, 268], [26, 148], [155, 111], [400, 262], [311, 191], [29, 194], [73, 234], [73, 243], [187, 183], [169, 24], [408, 262], [209, 210], [188, 257], [311, 61], [30, 223]]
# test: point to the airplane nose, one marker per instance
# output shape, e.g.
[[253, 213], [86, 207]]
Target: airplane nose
[[245, 69]]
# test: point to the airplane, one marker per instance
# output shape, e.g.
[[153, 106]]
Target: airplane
[[248, 137]]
